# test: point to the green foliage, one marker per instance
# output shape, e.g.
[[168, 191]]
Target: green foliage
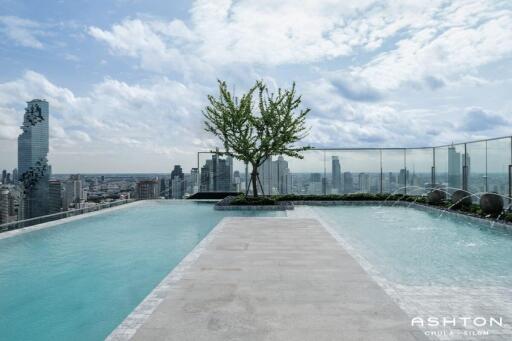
[[346, 197], [258, 126], [245, 200]]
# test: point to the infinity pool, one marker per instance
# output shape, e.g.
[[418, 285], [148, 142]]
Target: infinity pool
[[79, 280]]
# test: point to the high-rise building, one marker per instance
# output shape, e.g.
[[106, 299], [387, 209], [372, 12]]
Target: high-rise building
[[177, 183], [177, 187], [336, 175], [402, 177], [265, 175], [15, 176], [315, 184], [348, 183], [281, 176], [4, 177], [4, 205], [466, 160], [55, 196], [454, 169], [147, 189], [194, 180], [164, 188], [216, 175], [73, 192], [34, 172], [206, 184], [364, 183]]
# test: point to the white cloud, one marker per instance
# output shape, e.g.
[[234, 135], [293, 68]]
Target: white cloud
[[22, 31], [125, 119], [446, 47]]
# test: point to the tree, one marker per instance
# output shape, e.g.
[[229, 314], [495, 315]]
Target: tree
[[258, 126]]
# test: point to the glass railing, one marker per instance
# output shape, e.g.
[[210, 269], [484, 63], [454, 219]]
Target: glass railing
[[55, 216], [476, 166]]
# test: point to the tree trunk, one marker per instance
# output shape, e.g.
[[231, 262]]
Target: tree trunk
[[254, 180]]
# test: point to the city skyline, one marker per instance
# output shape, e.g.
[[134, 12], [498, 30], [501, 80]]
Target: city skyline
[[132, 80]]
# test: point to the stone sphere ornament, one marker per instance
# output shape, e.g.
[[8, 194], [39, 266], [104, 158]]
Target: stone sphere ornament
[[461, 198], [436, 197], [491, 203]]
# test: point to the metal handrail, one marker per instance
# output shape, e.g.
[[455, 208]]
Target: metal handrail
[[60, 215]]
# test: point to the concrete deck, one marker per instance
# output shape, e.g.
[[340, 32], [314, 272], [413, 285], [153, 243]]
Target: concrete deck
[[276, 279]]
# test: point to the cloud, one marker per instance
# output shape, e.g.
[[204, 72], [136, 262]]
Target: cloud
[[476, 120], [127, 119], [262, 33], [446, 46], [24, 32], [355, 89]]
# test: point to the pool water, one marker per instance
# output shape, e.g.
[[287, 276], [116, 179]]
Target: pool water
[[79, 280], [414, 247]]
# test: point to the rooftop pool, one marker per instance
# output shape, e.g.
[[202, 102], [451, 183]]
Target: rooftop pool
[[433, 264], [78, 280]]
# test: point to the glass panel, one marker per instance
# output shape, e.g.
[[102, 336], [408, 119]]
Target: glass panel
[[419, 164], [394, 171], [477, 168], [306, 176], [449, 162], [353, 171], [498, 161]]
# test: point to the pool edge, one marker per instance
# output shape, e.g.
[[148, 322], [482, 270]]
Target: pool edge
[[23, 230], [140, 314]]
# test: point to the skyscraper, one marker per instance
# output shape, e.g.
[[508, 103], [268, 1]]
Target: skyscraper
[[364, 183], [194, 180], [280, 176], [216, 175], [33, 145], [177, 183], [348, 183], [147, 189], [265, 174], [55, 197], [336, 175], [4, 205], [454, 169], [73, 192]]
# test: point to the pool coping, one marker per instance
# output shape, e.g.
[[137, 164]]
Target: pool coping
[[140, 314]]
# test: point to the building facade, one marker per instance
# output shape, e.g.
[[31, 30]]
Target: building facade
[[33, 168]]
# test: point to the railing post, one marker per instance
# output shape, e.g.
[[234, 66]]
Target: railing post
[[381, 175], [433, 174], [465, 169], [405, 171]]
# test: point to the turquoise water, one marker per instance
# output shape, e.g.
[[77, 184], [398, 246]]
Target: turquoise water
[[79, 280], [414, 247]]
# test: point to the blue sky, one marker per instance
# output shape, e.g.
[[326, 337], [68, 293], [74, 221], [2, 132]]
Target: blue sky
[[127, 79]]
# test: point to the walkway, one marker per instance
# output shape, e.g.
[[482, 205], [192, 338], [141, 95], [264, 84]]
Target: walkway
[[275, 279]]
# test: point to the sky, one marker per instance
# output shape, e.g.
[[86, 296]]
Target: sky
[[127, 79]]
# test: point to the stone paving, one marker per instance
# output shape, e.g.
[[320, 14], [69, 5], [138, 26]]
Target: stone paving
[[272, 279]]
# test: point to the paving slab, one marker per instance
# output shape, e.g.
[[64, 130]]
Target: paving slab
[[275, 279]]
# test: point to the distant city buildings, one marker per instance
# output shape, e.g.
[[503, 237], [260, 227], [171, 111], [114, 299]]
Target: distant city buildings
[[34, 172]]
